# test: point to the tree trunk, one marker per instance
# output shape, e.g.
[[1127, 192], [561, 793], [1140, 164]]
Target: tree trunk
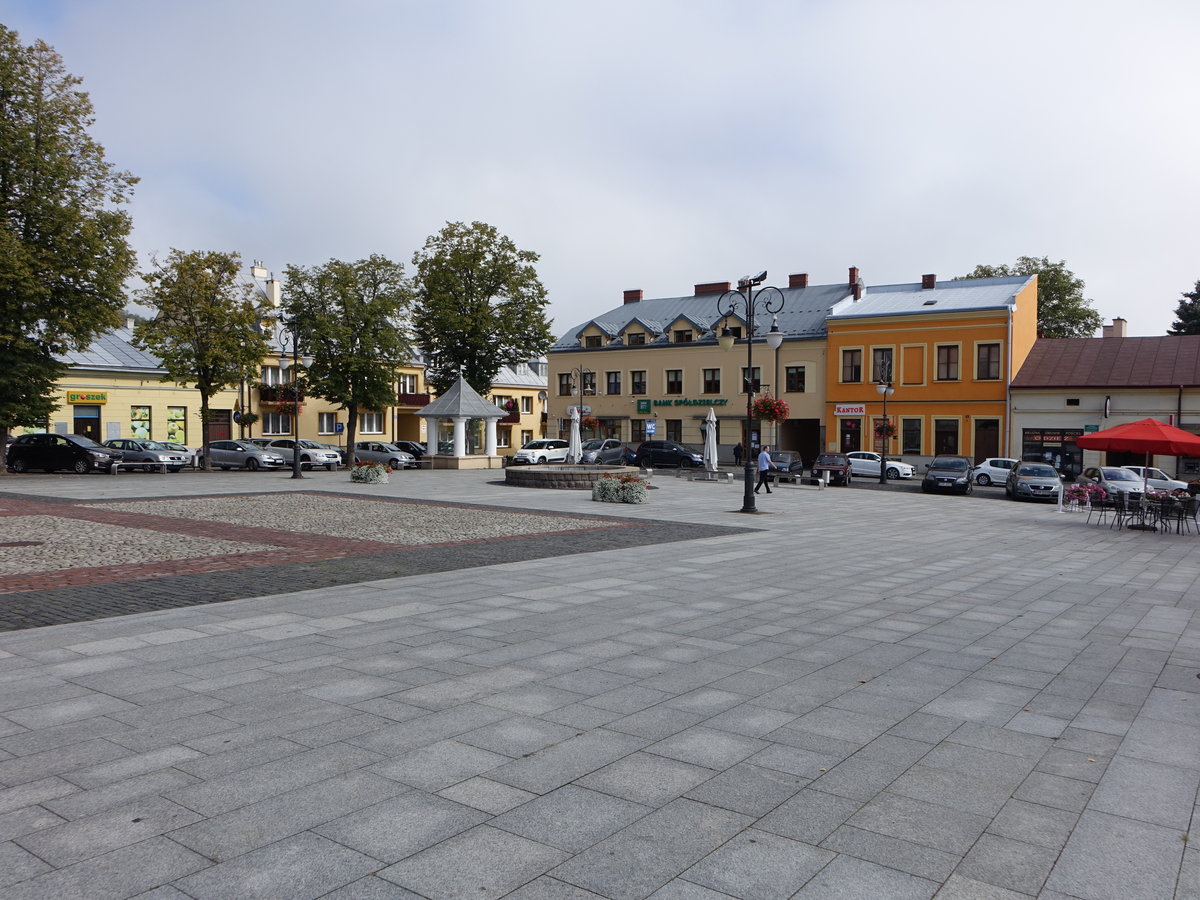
[[204, 398], [351, 429]]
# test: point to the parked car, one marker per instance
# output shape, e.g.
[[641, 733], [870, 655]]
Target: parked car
[[864, 462], [1033, 481], [789, 465], [417, 450], [311, 453], [607, 452], [241, 455], [340, 451], [187, 453], [52, 452], [837, 465], [1114, 480], [152, 453], [1157, 479], [652, 454], [994, 470], [950, 474], [540, 452], [388, 454]]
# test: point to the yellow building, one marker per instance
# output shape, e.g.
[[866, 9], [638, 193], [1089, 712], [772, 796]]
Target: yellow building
[[949, 350]]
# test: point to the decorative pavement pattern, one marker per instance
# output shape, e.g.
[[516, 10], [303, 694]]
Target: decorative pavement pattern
[[870, 694]]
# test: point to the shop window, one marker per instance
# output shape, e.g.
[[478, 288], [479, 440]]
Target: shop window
[[675, 430], [637, 430], [910, 436], [945, 435], [177, 424], [139, 423]]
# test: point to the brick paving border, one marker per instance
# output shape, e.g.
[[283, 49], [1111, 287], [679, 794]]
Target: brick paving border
[[302, 561]]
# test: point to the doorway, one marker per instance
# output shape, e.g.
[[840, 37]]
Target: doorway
[[220, 425], [87, 421], [987, 439]]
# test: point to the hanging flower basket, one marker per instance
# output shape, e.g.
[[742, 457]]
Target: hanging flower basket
[[885, 430], [589, 422], [770, 409]]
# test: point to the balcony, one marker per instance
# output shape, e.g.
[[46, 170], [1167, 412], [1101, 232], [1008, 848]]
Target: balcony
[[280, 393], [513, 418], [412, 399]]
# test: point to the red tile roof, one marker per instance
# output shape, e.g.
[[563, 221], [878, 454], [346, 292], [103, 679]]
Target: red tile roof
[[1112, 362]]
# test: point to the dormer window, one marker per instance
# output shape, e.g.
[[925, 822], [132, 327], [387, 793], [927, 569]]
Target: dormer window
[[636, 337], [592, 341], [683, 336]]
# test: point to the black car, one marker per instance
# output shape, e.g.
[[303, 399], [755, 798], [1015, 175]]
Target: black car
[[651, 454], [417, 450], [54, 452], [948, 474], [788, 464]]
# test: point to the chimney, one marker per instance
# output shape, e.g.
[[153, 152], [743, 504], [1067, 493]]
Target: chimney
[[799, 280], [928, 282], [1116, 329], [258, 270], [634, 296], [713, 287], [855, 284], [130, 321]]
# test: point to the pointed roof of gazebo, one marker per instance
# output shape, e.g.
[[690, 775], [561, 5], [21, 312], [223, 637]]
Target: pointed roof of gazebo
[[462, 400]]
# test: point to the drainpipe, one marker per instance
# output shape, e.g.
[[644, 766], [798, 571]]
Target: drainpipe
[[1008, 422], [1178, 423]]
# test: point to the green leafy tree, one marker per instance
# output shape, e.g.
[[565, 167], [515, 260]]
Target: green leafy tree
[[1187, 313], [480, 305], [1063, 311], [351, 317], [64, 253], [205, 328]]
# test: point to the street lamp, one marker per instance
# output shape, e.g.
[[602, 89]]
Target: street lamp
[[579, 385], [885, 390], [287, 337], [768, 300]]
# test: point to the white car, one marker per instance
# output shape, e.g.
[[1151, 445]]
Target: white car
[[993, 471], [540, 452], [864, 462], [1157, 479]]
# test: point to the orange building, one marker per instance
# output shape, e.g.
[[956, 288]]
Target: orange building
[[948, 350]]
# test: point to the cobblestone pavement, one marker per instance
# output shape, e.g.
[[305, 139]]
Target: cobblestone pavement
[[856, 694]]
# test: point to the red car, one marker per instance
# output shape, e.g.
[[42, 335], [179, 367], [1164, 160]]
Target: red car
[[836, 464]]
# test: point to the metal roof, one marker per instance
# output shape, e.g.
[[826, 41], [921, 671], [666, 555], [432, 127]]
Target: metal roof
[[462, 400], [965, 295], [113, 350]]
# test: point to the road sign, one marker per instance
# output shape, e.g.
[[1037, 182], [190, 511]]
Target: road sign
[[651, 427]]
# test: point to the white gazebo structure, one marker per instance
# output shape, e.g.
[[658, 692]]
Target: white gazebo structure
[[460, 404]]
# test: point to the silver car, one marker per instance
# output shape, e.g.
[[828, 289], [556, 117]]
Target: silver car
[[1157, 479], [311, 453], [606, 452], [241, 455], [1114, 480], [187, 453], [1033, 481], [379, 452], [152, 453]]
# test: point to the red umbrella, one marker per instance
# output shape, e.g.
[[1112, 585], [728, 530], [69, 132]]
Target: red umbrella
[[1143, 436]]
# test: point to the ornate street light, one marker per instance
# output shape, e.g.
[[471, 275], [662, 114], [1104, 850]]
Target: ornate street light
[[768, 300], [885, 390], [288, 337]]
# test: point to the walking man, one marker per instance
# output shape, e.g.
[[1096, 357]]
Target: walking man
[[737, 453], [764, 469]]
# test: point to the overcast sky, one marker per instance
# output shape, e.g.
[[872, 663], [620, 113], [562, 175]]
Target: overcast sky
[[656, 144]]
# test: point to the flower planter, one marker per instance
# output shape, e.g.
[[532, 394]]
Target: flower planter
[[370, 473], [619, 489]]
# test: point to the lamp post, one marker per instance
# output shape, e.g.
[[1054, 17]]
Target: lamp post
[[579, 385], [288, 337], [770, 301], [885, 390]]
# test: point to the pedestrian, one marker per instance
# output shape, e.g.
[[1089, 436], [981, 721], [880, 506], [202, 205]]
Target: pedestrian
[[764, 469], [737, 453]]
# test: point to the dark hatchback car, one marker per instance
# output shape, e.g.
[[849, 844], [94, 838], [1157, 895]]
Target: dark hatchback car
[[789, 465], [651, 454], [55, 452], [836, 464], [417, 450], [948, 474]]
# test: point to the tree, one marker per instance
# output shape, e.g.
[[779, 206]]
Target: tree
[[1187, 313], [205, 329], [480, 305], [64, 254], [350, 317], [1063, 311]]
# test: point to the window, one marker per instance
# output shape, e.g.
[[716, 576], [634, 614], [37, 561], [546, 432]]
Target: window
[[273, 375], [674, 381], [910, 436], [277, 423], [987, 363], [794, 376], [504, 436], [881, 364], [712, 381], [139, 423], [637, 430], [502, 401], [851, 366], [753, 377], [947, 366], [370, 423], [406, 384], [675, 430], [526, 404], [326, 423], [636, 338], [683, 336], [564, 384], [177, 424], [945, 435], [736, 331], [592, 341], [612, 382], [589, 384], [637, 381], [526, 437]]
